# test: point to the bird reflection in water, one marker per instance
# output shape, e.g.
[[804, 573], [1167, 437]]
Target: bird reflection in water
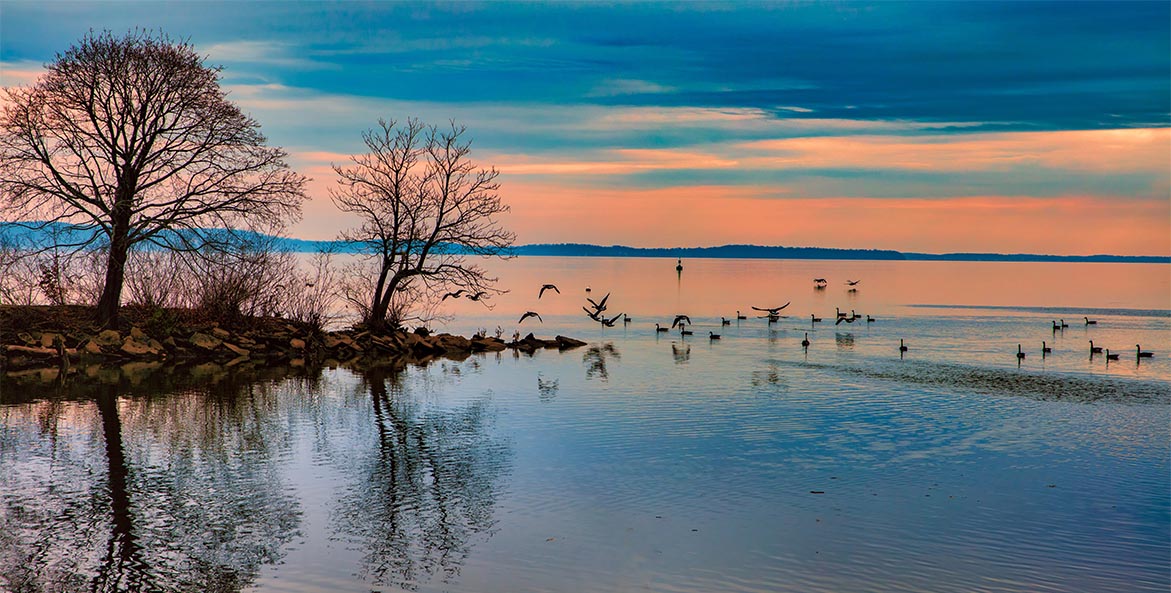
[[681, 352], [595, 358], [547, 388], [844, 341]]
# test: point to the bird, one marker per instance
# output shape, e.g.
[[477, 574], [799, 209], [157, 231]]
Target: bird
[[659, 328], [739, 316], [599, 306], [814, 318], [1019, 353], [725, 321], [773, 311], [853, 282], [1110, 357], [455, 295], [683, 331], [1064, 324], [679, 319], [1055, 326], [587, 289], [819, 281], [545, 287], [530, 314], [713, 336], [1090, 321], [1045, 349], [626, 319], [902, 347], [870, 319], [839, 311], [593, 314], [1095, 349], [1142, 354], [846, 319], [476, 297], [610, 322], [679, 265], [805, 342]]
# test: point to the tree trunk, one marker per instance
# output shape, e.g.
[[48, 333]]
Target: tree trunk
[[111, 300]]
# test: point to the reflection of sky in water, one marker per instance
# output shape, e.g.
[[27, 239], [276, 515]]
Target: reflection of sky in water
[[642, 461]]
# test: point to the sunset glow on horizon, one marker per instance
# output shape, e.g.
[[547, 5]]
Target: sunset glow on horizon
[[928, 127]]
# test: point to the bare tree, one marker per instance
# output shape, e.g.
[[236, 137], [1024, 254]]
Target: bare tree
[[425, 208], [130, 141]]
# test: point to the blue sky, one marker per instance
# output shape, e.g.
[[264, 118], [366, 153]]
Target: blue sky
[[985, 108]]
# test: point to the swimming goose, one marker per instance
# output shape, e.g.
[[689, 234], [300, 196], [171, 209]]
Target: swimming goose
[[1142, 354], [1095, 349], [724, 321], [870, 319], [1090, 321], [1064, 324], [1019, 353], [739, 316], [814, 318], [805, 342], [659, 328], [683, 331], [713, 336], [1045, 349], [902, 348], [1110, 357]]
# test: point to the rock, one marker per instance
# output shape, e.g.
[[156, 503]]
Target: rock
[[564, 342], [487, 345], [27, 339], [220, 333], [422, 331], [204, 341], [138, 334], [238, 351], [135, 348], [297, 344], [48, 340], [109, 338], [92, 347]]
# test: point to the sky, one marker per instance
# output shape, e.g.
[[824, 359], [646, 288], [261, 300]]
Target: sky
[[1011, 127]]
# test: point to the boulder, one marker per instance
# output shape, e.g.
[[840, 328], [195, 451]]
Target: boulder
[[205, 342], [49, 340], [238, 351], [92, 347], [220, 333], [138, 334], [297, 344], [109, 338], [564, 342], [133, 347]]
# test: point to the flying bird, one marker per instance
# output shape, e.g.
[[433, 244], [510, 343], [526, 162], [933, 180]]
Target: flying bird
[[545, 287], [530, 314], [593, 314], [680, 318], [610, 322], [772, 311], [819, 281], [853, 282], [452, 295], [476, 297], [599, 306]]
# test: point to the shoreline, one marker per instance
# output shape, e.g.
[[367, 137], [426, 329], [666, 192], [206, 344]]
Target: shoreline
[[48, 337]]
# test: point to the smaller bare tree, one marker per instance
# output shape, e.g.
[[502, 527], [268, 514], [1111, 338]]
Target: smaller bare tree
[[425, 210]]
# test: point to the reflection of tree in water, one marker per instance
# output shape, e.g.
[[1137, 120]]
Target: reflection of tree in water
[[595, 358], [547, 388], [427, 489], [769, 377], [681, 353], [141, 483]]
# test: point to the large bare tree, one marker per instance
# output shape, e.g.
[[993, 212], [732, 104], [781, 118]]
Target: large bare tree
[[131, 140], [425, 210]]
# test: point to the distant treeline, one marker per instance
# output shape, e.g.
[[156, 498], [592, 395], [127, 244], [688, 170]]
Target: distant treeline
[[14, 231]]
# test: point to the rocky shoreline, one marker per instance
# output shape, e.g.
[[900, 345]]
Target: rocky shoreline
[[270, 342]]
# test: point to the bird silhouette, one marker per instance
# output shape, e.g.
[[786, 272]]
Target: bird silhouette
[[713, 336], [1045, 349], [725, 321], [1141, 354], [659, 328], [626, 319], [593, 314], [819, 281], [451, 295], [679, 319], [530, 314], [545, 287], [1095, 349], [814, 318], [805, 342], [739, 316], [1090, 321], [1020, 354], [476, 297], [773, 311], [599, 306], [610, 322], [1110, 356], [870, 319], [683, 331], [902, 347], [853, 282]]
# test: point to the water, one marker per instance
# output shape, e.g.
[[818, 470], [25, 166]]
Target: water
[[643, 461]]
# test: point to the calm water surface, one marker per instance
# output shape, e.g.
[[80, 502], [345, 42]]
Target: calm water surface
[[643, 461]]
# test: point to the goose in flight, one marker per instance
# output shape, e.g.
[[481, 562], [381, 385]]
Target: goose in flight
[[772, 311], [852, 282], [679, 319], [610, 322], [545, 287], [593, 314], [599, 306], [452, 295], [476, 297], [530, 314]]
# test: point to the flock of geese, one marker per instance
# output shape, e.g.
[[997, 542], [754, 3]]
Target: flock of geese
[[596, 311]]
